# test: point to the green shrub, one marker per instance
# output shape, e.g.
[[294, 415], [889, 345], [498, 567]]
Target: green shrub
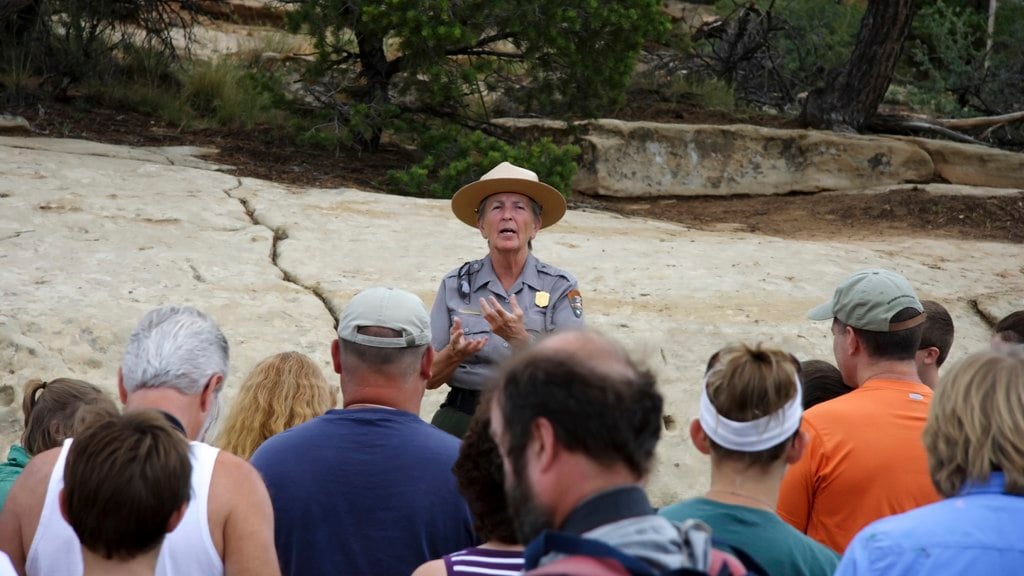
[[69, 42], [455, 157], [227, 94], [148, 65], [433, 58], [711, 93], [947, 54], [819, 36], [156, 101], [772, 52], [945, 62]]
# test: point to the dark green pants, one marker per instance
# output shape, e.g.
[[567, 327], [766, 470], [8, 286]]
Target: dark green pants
[[451, 421]]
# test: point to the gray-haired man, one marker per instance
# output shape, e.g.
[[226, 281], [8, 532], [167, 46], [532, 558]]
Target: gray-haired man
[[175, 362]]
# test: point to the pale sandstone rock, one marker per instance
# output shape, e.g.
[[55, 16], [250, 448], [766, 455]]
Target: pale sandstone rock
[[638, 159], [269, 12], [972, 165], [12, 123], [938, 190], [994, 307], [688, 15], [88, 243], [188, 156]]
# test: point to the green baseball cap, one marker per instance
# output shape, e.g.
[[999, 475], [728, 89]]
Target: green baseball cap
[[869, 299], [385, 308]]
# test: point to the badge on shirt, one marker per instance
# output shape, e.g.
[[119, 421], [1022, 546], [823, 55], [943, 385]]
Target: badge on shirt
[[576, 302], [542, 299]]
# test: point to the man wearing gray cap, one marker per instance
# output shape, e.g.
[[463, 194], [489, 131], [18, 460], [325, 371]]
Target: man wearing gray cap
[[368, 489], [864, 458]]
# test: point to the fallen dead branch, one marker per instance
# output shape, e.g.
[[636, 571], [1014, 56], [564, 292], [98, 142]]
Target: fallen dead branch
[[980, 122]]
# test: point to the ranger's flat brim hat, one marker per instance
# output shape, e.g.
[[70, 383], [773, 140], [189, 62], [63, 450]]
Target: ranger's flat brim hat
[[869, 299], [507, 177]]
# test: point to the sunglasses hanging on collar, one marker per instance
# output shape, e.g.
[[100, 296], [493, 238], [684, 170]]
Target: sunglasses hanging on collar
[[464, 279]]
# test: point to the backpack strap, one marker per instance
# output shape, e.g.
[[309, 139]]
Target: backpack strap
[[571, 545]]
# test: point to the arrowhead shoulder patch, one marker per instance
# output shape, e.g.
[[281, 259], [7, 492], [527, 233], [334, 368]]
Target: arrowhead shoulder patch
[[576, 302]]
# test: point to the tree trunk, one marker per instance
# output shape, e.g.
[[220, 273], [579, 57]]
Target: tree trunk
[[992, 5], [374, 63], [851, 94]]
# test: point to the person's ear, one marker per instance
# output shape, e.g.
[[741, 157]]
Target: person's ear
[[427, 363], [122, 392], [336, 355], [176, 518], [543, 446], [929, 355], [851, 342], [796, 449], [699, 437], [210, 391]]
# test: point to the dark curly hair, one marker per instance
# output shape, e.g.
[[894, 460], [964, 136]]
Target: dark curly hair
[[479, 473]]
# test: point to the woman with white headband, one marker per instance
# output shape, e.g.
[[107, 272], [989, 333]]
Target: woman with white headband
[[749, 423]]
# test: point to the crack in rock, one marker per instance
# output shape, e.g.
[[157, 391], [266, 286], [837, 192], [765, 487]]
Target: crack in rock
[[280, 234], [195, 273], [15, 235], [981, 313]]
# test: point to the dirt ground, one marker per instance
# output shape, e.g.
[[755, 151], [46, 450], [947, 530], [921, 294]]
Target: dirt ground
[[261, 153]]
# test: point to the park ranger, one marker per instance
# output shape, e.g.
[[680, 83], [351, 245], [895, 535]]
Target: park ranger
[[487, 309]]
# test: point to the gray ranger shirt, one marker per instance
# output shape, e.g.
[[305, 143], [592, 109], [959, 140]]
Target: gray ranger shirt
[[549, 298]]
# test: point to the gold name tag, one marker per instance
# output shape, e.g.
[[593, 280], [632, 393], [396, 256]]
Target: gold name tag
[[542, 299]]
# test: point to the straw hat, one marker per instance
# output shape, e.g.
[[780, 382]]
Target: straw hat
[[507, 177]]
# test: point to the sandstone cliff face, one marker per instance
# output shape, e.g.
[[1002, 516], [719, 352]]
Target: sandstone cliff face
[[92, 236], [638, 159]]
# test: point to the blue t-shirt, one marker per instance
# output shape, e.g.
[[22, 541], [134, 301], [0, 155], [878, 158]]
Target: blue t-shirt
[[363, 491], [978, 531]]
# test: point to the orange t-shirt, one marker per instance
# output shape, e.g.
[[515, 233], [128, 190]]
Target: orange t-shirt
[[864, 460]]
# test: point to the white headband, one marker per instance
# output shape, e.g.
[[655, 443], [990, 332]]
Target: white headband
[[754, 435]]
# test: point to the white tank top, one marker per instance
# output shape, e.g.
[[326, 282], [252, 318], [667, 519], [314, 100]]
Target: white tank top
[[189, 549]]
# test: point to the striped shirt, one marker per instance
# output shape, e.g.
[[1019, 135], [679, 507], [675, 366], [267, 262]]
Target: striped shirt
[[484, 561]]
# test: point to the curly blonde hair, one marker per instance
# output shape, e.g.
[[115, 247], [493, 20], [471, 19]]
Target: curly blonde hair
[[282, 391]]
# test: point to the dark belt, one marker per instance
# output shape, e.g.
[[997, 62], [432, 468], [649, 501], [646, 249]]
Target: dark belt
[[463, 400]]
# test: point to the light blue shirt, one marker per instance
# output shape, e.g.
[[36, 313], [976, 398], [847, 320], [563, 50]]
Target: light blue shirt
[[549, 298], [978, 531]]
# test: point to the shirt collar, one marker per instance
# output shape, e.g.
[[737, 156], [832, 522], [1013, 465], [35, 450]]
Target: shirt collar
[[994, 484], [606, 507], [903, 385], [529, 275]]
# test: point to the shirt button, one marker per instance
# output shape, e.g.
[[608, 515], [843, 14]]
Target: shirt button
[[505, 344], [506, 300]]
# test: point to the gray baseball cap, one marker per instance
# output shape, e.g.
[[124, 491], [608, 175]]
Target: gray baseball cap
[[869, 299], [385, 308]]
